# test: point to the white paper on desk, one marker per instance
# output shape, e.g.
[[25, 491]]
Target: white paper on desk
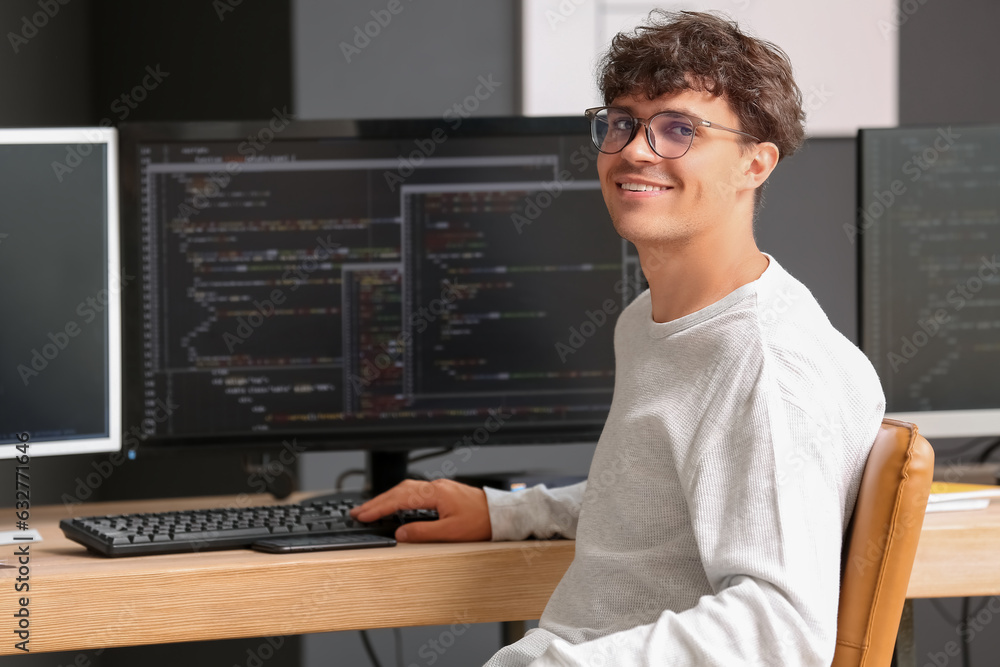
[[19, 536], [958, 505]]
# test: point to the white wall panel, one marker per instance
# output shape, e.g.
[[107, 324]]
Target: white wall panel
[[844, 54]]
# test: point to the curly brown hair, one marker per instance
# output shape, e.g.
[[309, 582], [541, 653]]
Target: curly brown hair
[[678, 51]]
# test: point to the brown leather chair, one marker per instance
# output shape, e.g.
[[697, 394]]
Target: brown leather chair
[[881, 543]]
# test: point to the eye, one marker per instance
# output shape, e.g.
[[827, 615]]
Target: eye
[[677, 128], [620, 124]]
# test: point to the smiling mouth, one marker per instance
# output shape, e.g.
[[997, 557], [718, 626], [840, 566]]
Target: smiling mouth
[[642, 187]]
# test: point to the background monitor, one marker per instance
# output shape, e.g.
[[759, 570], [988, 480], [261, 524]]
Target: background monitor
[[60, 281], [928, 234], [384, 285]]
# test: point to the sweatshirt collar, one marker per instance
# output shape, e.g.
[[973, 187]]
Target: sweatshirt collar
[[663, 329]]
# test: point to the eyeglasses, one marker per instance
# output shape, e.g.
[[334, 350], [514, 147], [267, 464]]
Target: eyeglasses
[[669, 133]]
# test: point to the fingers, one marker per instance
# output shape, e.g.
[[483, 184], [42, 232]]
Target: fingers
[[451, 529], [463, 511], [410, 494]]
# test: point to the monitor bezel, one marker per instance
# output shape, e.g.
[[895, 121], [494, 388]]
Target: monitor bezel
[[930, 423], [404, 438], [88, 136]]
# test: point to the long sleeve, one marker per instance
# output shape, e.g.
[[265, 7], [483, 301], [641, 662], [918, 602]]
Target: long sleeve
[[536, 512], [767, 518]]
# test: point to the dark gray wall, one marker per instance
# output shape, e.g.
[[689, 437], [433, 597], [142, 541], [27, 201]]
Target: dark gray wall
[[807, 201], [948, 55], [224, 60], [426, 58], [46, 78]]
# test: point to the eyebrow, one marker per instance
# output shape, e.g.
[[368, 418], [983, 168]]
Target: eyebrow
[[674, 109]]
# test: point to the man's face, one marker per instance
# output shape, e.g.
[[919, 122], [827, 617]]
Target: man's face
[[702, 187]]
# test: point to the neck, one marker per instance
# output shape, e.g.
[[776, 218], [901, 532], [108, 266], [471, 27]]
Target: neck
[[686, 277]]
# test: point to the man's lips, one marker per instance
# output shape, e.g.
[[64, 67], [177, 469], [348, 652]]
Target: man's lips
[[640, 188]]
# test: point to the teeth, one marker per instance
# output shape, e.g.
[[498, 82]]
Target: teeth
[[641, 187]]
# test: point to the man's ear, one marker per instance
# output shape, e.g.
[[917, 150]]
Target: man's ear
[[761, 162]]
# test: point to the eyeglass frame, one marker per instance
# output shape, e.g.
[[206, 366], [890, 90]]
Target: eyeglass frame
[[696, 122]]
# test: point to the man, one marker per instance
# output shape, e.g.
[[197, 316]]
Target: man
[[709, 530]]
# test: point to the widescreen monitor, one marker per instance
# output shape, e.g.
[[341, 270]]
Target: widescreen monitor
[[928, 238], [383, 285], [60, 287]]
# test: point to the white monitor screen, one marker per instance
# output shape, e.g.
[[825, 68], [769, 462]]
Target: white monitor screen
[[60, 283]]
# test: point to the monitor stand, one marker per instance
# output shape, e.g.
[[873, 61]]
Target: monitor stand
[[385, 469]]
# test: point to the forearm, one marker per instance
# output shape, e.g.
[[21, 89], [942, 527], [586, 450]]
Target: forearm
[[751, 623], [536, 512]]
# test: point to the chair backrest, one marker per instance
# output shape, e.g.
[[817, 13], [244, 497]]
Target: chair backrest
[[881, 543]]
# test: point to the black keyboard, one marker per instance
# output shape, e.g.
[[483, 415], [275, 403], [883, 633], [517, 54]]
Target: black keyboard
[[226, 528]]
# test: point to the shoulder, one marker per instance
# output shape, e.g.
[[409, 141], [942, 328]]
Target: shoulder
[[807, 355]]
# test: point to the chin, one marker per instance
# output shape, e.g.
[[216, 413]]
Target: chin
[[644, 231]]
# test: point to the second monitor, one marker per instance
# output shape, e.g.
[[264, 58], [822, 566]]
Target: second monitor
[[385, 285]]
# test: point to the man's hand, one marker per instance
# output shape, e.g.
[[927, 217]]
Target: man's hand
[[463, 512]]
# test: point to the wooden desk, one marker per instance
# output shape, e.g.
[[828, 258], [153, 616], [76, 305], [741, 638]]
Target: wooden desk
[[80, 601], [958, 555]]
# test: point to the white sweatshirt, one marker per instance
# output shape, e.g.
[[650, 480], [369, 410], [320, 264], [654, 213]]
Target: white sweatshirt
[[709, 529]]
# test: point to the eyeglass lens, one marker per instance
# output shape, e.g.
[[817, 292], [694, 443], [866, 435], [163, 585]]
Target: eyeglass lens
[[670, 134]]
